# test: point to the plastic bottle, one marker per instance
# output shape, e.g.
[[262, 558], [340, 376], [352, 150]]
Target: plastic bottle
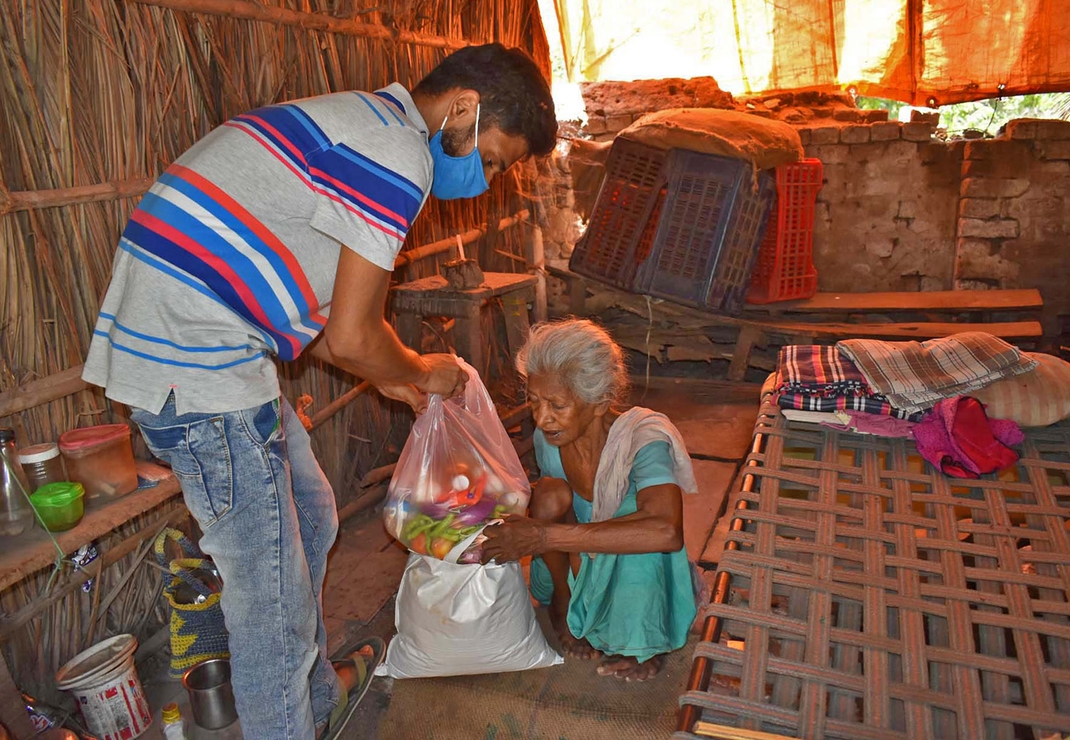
[[174, 727], [16, 514]]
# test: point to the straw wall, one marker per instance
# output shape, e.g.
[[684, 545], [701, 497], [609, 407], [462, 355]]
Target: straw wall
[[97, 97], [110, 91]]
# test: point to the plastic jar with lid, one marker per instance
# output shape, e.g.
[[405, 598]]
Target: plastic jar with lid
[[101, 459], [42, 464]]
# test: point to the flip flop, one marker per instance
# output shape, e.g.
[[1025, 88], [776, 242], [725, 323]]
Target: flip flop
[[365, 673]]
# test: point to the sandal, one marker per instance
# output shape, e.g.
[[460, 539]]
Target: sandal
[[365, 656]]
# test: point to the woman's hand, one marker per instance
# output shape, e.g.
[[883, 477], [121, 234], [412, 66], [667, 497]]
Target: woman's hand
[[516, 537]]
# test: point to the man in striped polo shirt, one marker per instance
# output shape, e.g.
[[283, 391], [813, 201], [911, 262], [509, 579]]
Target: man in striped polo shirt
[[274, 235]]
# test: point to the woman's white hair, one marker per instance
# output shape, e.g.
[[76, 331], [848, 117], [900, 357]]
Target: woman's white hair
[[581, 354]]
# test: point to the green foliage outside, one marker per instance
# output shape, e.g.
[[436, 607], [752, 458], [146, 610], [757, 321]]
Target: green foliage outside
[[986, 115]]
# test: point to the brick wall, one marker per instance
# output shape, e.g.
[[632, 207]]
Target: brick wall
[[900, 209], [1013, 225], [886, 214]]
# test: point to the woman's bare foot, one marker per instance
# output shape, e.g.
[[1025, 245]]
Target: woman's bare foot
[[574, 647], [630, 669]]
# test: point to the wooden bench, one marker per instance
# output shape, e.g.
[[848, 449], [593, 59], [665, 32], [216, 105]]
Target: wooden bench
[[825, 318], [938, 301]]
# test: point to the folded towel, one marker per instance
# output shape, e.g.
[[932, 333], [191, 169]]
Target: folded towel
[[872, 404], [915, 375], [821, 370]]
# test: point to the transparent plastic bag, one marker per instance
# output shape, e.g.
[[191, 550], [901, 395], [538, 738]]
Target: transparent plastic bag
[[457, 472]]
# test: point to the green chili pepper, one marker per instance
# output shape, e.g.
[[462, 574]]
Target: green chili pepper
[[417, 525], [442, 526]]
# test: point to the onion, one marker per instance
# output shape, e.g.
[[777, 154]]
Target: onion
[[477, 512]]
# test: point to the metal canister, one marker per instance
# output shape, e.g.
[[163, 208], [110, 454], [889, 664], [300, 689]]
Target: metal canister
[[16, 513]]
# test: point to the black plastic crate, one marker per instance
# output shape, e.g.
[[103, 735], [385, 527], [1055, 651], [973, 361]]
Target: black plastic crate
[[708, 234], [633, 186], [688, 231]]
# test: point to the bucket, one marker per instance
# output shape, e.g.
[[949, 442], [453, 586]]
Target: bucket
[[106, 687], [210, 695]]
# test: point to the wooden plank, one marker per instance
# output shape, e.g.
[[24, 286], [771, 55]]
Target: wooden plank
[[10, 624], [42, 391], [725, 732], [937, 300], [912, 330], [30, 552]]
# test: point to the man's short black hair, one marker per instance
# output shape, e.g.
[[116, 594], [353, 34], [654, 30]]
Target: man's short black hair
[[512, 91]]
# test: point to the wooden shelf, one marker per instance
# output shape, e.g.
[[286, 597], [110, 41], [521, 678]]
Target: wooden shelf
[[28, 553]]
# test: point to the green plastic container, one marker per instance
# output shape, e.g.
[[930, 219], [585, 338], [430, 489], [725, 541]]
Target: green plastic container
[[60, 505]]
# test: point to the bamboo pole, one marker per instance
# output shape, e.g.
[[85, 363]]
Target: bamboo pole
[[39, 392], [444, 245], [339, 403], [26, 200], [308, 21]]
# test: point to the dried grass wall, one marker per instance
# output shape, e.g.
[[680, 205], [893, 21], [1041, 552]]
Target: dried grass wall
[[111, 91]]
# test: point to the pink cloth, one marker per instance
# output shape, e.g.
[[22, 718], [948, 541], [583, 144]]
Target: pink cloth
[[878, 425], [960, 439]]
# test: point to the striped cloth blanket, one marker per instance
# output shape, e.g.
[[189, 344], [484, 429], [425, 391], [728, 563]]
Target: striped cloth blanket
[[915, 375], [819, 370], [812, 377], [871, 404]]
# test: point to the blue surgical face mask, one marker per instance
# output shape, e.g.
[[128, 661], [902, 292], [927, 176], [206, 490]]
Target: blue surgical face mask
[[457, 177]]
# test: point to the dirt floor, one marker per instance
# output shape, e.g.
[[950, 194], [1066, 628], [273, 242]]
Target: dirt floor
[[716, 420]]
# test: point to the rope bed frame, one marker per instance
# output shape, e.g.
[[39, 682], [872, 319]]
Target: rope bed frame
[[863, 594]]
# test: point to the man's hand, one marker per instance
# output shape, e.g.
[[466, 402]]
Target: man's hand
[[516, 537], [444, 375], [406, 393]]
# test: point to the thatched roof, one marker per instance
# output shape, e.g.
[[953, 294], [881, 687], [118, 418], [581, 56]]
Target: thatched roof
[[98, 96]]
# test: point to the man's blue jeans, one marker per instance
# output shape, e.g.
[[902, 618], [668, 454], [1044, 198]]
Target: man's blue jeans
[[269, 517]]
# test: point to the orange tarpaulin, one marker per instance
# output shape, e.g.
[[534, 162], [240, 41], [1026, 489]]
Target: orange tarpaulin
[[931, 52]]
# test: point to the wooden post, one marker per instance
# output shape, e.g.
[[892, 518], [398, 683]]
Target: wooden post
[[537, 259], [748, 335], [468, 338]]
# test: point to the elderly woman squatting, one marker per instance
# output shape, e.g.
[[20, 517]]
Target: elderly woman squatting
[[606, 518]]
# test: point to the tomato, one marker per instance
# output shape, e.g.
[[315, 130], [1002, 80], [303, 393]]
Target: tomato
[[419, 543], [440, 547]]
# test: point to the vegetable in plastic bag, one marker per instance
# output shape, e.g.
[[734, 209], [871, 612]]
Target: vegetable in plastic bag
[[457, 472]]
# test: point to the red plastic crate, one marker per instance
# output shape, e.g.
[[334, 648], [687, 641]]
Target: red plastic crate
[[785, 268]]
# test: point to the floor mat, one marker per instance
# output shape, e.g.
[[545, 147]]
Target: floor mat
[[566, 702]]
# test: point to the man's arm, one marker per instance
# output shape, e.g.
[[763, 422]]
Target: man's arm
[[358, 339]]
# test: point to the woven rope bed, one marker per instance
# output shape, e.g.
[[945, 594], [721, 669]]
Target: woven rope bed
[[863, 594]]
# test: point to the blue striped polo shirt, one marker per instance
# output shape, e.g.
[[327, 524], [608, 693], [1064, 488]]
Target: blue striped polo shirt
[[230, 258]]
